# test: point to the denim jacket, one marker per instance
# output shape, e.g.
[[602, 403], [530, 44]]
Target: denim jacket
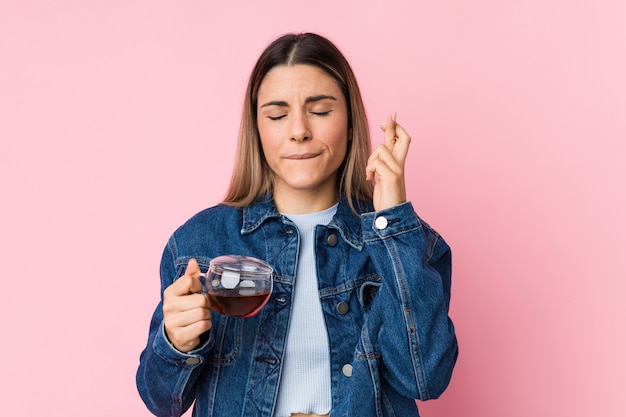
[[384, 284]]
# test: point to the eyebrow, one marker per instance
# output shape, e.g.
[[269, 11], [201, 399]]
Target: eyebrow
[[312, 99]]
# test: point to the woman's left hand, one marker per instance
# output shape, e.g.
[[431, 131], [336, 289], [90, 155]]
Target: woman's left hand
[[385, 167]]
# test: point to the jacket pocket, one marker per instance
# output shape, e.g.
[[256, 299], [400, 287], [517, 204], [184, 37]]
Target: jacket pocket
[[227, 336], [367, 291]]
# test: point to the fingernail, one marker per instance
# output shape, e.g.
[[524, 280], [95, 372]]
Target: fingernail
[[393, 116]]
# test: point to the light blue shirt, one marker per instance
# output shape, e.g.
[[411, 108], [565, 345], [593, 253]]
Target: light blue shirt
[[305, 380]]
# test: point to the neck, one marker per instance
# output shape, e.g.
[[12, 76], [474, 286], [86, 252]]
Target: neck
[[302, 202]]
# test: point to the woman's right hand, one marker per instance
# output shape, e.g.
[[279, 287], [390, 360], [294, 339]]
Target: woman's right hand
[[186, 311], [385, 167]]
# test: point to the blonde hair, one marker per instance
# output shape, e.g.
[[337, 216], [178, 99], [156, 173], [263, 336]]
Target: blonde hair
[[252, 177]]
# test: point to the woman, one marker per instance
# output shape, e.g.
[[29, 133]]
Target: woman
[[357, 324]]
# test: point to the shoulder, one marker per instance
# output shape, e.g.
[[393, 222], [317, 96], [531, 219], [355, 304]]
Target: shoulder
[[220, 216], [205, 230]]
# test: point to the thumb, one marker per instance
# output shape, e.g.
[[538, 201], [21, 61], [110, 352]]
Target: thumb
[[192, 267], [193, 270], [189, 282]]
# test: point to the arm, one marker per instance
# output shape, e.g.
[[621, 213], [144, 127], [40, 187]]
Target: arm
[[166, 375], [409, 321]]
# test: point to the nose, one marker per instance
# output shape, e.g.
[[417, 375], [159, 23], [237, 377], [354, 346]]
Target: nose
[[299, 128]]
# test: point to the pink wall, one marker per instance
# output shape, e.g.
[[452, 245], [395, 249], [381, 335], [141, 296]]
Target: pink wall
[[118, 121]]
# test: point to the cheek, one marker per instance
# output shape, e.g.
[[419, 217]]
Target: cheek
[[339, 139], [266, 137], [261, 129], [270, 149]]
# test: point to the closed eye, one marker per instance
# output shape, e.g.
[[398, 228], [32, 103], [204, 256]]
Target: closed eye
[[276, 117], [321, 113]]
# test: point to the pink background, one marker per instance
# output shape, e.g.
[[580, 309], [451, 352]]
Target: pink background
[[118, 121]]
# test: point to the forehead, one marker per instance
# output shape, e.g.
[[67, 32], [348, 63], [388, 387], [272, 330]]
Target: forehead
[[297, 80]]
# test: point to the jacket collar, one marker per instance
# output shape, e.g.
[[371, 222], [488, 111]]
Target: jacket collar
[[344, 221]]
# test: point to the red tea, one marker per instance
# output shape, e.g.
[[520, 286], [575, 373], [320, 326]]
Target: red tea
[[237, 305]]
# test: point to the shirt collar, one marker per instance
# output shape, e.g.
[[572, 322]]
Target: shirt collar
[[345, 221]]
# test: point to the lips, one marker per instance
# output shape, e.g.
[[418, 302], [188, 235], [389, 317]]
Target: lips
[[303, 156]]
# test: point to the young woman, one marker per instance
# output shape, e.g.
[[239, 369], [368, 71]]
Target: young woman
[[357, 323]]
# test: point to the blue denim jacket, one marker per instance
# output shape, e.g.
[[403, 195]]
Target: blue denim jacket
[[384, 286]]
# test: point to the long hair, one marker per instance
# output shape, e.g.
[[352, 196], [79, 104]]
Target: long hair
[[252, 176]]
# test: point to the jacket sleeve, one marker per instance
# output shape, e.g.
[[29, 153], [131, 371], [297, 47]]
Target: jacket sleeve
[[166, 377], [408, 324]]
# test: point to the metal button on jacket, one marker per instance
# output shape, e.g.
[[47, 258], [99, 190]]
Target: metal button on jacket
[[192, 361], [381, 222], [332, 240], [347, 370], [343, 307]]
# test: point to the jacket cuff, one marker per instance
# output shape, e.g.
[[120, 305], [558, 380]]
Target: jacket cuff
[[190, 360], [390, 221]]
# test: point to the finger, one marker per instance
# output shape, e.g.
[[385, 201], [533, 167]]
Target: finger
[[188, 317], [195, 329], [186, 302], [392, 116], [189, 283], [382, 157], [370, 168], [390, 131], [193, 268], [386, 162], [183, 286], [179, 326], [401, 148], [187, 338]]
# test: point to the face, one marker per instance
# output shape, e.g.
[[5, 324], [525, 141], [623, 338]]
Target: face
[[302, 118]]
